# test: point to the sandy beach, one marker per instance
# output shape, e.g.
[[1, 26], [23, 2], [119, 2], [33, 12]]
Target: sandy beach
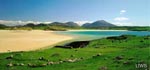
[[19, 40], [96, 30]]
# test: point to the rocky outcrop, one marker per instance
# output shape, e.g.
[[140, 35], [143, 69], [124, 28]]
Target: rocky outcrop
[[122, 37], [76, 44]]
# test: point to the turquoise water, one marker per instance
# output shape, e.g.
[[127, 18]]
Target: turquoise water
[[100, 34]]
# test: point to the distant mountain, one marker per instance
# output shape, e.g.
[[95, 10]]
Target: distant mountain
[[30, 25], [70, 24], [2, 26], [41, 24], [99, 23], [86, 25], [58, 24]]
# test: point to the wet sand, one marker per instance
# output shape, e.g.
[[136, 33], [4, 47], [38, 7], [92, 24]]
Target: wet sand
[[20, 40]]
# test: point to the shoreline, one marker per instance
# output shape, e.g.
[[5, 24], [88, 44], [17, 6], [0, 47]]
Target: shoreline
[[23, 40], [97, 30]]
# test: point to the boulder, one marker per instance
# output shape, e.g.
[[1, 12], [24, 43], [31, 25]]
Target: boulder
[[119, 57], [10, 57], [103, 68], [122, 37], [21, 64], [126, 62], [50, 63], [9, 64], [76, 44]]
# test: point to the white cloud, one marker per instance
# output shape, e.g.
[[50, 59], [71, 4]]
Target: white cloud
[[47, 22], [122, 11], [82, 22], [11, 23], [123, 23], [14, 23], [121, 19]]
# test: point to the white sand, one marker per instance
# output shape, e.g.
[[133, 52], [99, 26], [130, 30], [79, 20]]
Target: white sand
[[19, 40]]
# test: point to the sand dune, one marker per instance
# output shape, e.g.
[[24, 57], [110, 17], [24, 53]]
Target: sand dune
[[20, 40]]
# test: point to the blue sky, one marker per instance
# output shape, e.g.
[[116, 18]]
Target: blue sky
[[120, 12]]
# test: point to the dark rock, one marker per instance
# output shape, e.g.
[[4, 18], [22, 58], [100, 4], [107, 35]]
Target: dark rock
[[131, 58], [103, 68], [41, 58], [141, 62], [122, 37], [60, 59], [17, 64], [76, 44], [119, 57], [99, 54], [10, 57], [112, 41], [81, 58], [126, 62], [72, 55], [60, 46], [141, 41]]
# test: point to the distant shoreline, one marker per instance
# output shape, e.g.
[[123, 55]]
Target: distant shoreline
[[97, 30]]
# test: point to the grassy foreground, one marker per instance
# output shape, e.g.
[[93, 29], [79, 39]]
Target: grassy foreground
[[100, 54]]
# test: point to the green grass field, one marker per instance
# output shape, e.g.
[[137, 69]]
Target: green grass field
[[100, 54]]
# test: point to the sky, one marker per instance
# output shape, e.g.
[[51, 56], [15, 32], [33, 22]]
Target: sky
[[119, 12]]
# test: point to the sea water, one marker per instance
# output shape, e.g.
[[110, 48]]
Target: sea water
[[89, 35]]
